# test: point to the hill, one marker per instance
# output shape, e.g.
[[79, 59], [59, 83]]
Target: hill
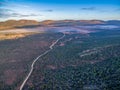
[[32, 23], [13, 24]]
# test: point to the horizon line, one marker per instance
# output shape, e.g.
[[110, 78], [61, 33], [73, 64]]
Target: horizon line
[[61, 20]]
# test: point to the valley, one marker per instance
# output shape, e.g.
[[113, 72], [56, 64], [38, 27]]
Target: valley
[[60, 56]]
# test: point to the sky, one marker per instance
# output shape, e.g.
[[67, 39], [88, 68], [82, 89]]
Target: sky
[[59, 9]]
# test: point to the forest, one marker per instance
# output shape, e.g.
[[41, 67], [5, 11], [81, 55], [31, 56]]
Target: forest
[[80, 62]]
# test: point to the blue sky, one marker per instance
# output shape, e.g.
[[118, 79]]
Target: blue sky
[[59, 9]]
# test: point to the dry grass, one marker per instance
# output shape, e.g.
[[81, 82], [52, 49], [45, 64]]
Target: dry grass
[[6, 36]]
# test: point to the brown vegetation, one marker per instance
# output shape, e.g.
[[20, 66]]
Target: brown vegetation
[[4, 36], [13, 24], [16, 56]]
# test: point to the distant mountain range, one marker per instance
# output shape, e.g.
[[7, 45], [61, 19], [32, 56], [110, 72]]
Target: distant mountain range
[[27, 23]]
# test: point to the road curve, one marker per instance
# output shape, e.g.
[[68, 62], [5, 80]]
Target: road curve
[[35, 60]]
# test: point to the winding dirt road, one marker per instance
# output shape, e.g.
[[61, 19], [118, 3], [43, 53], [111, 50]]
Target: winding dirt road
[[35, 60]]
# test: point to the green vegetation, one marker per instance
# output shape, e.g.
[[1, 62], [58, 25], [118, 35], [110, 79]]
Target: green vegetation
[[77, 62], [65, 69]]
